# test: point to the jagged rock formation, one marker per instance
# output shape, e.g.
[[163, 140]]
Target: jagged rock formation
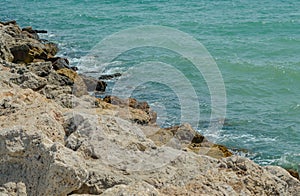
[[55, 139]]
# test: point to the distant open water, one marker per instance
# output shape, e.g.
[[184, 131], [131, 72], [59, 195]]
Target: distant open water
[[256, 45]]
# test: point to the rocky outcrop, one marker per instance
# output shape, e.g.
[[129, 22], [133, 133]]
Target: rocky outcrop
[[93, 84], [34, 63], [140, 112], [23, 46], [46, 168], [109, 76], [55, 139], [59, 63], [186, 138]]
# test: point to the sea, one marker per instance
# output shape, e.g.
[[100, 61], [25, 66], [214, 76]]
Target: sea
[[253, 47]]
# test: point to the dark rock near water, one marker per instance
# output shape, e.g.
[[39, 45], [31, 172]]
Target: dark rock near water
[[41, 69], [5, 53], [21, 53], [294, 173], [51, 49], [93, 84], [58, 79], [109, 76], [30, 30], [9, 22], [184, 137], [74, 68], [23, 45], [59, 63], [131, 102], [78, 87]]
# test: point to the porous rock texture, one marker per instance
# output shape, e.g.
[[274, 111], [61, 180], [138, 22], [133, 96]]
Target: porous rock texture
[[55, 139]]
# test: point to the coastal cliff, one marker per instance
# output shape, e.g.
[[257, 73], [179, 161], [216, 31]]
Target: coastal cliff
[[56, 139]]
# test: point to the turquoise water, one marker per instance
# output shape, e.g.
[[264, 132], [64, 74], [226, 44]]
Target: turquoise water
[[256, 45]]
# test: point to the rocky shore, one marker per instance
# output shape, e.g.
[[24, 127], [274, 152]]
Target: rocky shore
[[56, 139]]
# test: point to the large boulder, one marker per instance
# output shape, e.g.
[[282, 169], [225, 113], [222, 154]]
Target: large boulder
[[45, 168], [24, 107], [59, 63], [111, 142], [78, 88], [32, 152]]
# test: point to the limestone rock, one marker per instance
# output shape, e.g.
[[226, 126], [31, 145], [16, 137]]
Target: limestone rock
[[93, 84], [50, 48], [30, 80], [22, 53], [58, 79], [59, 63], [30, 32], [79, 87], [84, 131], [61, 94], [68, 73], [23, 46], [139, 112], [31, 158], [294, 173], [55, 139], [32, 151], [186, 138], [132, 189], [170, 171], [8, 22], [41, 69], [13, 189], [5, 53], [23, 107]]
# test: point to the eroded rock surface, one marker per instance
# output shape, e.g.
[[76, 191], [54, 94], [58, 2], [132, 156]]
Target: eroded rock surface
[[55, 139], [46, 168]]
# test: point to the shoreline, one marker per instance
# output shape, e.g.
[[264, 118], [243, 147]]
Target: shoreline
[[31, 75]]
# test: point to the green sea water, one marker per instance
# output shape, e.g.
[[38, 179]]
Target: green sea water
[[256, 45]]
